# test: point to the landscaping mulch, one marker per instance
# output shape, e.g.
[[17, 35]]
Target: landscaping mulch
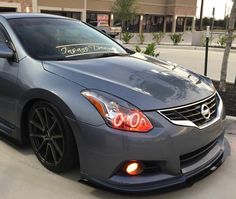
[[228, 97]]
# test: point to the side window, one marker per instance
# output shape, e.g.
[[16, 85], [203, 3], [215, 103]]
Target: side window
[[3, 38]]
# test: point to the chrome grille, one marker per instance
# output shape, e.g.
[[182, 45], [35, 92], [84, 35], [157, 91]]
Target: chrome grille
[[193, 113]]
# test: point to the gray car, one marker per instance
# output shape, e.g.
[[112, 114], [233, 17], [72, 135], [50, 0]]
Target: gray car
[[130, 122]]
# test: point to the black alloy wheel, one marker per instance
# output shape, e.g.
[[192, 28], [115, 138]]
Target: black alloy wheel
[[51, 138]]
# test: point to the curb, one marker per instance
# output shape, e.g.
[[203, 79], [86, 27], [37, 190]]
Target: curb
[[185, 47], [231, 118]]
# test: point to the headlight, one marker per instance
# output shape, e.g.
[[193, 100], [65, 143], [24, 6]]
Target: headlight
[[118, 113]]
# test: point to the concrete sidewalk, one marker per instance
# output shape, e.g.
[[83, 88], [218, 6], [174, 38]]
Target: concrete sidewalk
[[180, 47], [187, 38], [23, 177]]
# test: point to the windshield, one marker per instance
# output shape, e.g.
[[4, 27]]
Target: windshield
[[60, 39]]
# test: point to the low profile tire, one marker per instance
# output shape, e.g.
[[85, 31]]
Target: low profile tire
[[51, 138]]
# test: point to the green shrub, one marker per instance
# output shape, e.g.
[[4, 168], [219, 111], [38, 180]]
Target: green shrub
[[222, 40], [158, 36], [176, 38], [150, 50], [138, 49], [141, 38], [127, 36], [203, 40]]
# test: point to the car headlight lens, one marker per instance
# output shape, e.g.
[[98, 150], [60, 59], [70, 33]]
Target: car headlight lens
[[118, 113]]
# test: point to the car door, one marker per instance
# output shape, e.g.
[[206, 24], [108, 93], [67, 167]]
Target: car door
[[8, 92]]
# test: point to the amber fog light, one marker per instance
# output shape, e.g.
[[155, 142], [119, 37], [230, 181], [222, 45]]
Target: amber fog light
[[133, 168]]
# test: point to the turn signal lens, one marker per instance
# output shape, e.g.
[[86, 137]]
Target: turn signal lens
[[133, 168], [117, 113]]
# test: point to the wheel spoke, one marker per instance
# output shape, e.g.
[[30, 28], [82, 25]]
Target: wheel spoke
[[46, 117], [41, 145], [36, 125], [41, 119], [57, 148], [36, 135], [57, 136], [47, 152], [53, 125], [53, 153]]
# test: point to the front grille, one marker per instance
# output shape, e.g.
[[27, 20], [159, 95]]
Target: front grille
[[193, 112], [192, 157]]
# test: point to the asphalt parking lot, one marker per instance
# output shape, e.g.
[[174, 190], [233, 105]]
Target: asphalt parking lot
[[22, 176], [193, 58]]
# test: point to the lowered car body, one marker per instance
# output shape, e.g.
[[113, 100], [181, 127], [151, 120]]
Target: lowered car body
[[129, 121]]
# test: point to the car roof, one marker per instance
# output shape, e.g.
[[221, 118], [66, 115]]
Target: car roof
[[16, 15]]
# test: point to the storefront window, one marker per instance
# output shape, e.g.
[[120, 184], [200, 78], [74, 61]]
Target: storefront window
[[3, 9], [133, 25], [98, 19], [180, 24], [189, 24], [153, 23], [169, 21], [129, 26]]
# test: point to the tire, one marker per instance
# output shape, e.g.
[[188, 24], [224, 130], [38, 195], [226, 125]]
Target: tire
[[51, 138]]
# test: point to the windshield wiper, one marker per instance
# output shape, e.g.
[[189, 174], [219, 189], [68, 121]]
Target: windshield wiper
[[99, 55], [112, 54]]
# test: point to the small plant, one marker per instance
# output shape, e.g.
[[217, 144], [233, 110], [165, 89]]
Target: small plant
[[176, 38], [158, 36], [141, 38], [127, 36], [222, 40], [203, 40], [138, 49], [150, 50]]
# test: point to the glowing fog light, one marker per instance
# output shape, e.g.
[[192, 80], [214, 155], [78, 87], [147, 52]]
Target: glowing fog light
[[133, 168]]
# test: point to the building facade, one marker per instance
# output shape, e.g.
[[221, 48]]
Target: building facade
[[152, 15]]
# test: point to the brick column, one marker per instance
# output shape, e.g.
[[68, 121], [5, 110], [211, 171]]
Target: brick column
[[193, 24], [84, 12], [111, 19], [35, 6], [174, 23], [141, 24], [185, 24], [164, 25]]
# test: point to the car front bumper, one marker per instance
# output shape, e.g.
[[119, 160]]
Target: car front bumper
[[102, 150]]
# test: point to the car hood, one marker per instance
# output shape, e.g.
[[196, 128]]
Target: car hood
[[146, 82]]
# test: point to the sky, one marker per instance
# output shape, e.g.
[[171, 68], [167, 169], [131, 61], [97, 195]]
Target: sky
[[220, 7]]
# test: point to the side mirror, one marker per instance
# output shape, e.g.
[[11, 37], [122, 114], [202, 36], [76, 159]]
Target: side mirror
[[5, 51]]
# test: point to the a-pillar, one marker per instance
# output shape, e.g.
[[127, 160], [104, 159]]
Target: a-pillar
[[174, 23], [164, 24]]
